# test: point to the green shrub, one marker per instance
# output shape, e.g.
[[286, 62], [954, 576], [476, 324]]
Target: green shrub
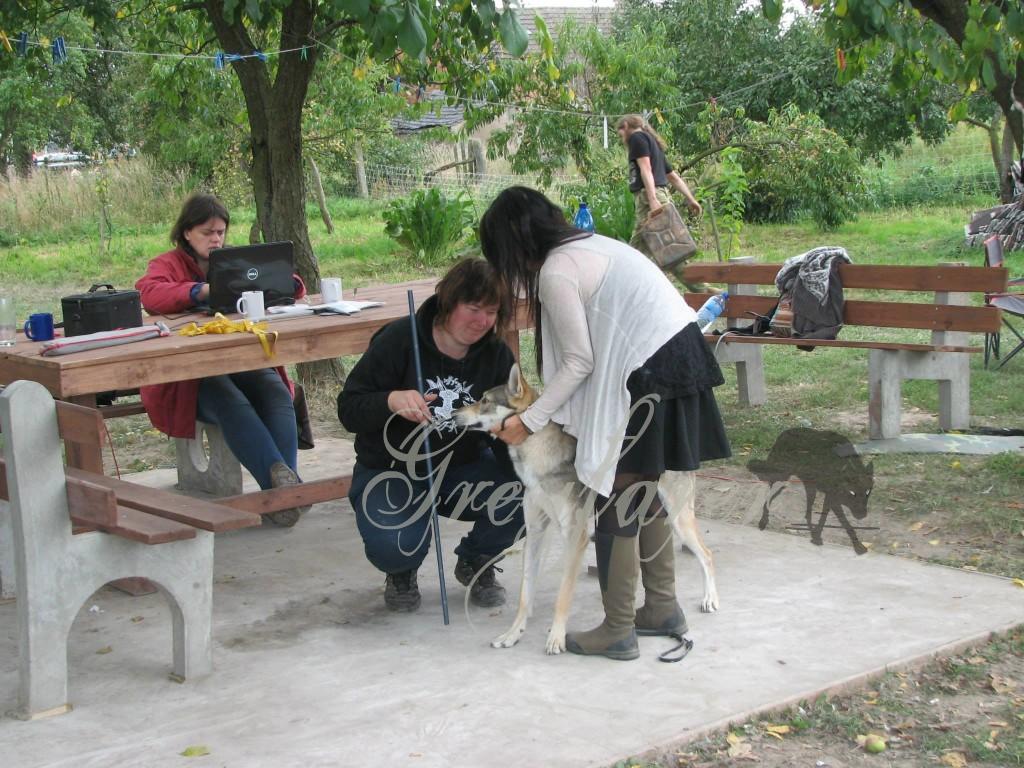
[[429, 223]]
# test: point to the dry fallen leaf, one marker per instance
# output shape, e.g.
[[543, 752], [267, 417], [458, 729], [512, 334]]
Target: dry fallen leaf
[[953, 760], [777, 730], [975, 660], [935, 542], [740, 750], [1019, 582], [1001, 684], [104, 650], [999, 723], [917, 526]]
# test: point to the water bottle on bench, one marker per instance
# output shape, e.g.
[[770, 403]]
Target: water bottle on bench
[[712, 308]]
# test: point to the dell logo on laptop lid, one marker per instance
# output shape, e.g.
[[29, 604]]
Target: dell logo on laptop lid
[[253, 273]]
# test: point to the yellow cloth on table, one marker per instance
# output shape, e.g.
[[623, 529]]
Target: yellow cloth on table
[[221, 324]]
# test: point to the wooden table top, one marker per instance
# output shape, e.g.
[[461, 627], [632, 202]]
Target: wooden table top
[[176, 358]]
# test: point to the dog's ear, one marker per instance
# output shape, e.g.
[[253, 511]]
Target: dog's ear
[[515, 381]]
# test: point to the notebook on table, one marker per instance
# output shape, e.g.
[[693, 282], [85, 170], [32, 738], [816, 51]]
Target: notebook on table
[[267, 267]]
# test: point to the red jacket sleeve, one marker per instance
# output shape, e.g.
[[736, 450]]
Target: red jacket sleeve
[[166, 286], [300, 289]]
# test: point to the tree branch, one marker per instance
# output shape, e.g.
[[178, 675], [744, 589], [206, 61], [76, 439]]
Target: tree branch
[[738, 144]]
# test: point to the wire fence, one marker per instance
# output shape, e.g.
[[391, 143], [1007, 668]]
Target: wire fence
[[960, 170]]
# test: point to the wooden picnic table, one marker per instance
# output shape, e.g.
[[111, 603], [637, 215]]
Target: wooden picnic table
[[80, 376]]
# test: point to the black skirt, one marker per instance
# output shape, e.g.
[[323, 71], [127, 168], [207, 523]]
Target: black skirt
[[674, 422]]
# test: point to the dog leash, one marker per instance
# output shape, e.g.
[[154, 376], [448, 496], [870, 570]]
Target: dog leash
[[683, 644]]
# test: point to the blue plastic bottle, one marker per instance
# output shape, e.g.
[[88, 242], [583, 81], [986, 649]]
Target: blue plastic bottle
[[583, 218], [712, 308]]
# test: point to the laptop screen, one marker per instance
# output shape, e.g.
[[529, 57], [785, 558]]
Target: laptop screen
[[266, 267]]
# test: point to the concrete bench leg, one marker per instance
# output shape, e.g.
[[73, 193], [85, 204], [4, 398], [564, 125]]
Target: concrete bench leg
[[749, 363], [208, 465], [888, 368], [6, 552], [885, 380]]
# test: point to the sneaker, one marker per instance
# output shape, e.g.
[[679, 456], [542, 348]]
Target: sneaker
[[486, 591], [402, 592], [282, 475]]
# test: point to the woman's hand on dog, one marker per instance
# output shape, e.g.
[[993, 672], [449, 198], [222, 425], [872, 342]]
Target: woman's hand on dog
[[511, 431], [411, 405]]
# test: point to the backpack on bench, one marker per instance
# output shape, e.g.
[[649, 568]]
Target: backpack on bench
[[800, 315]]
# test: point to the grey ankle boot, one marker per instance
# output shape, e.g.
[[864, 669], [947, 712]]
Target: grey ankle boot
[[615, 637], [660, 613]]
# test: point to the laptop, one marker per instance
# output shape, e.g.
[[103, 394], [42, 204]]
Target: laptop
[[267, 267]]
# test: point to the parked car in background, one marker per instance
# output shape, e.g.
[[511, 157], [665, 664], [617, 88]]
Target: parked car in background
[[60, 159]]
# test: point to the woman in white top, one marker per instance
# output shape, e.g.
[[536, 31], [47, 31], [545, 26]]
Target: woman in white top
[[620, 355]]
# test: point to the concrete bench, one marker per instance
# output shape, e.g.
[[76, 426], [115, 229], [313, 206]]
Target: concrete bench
[[950, 316], [72, 531]]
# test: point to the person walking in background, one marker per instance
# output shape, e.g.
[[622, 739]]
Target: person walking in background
[[650, 175], [254, 409], [612, 333]]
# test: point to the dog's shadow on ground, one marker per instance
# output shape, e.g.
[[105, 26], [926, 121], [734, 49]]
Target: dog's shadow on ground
[[823, 462]]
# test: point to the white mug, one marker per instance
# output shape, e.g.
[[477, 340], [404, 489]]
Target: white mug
[[330, 289], [251, 305]]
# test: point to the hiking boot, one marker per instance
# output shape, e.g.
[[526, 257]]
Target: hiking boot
[[615, 637], [485, 590], [402, 592], [660, 613], [281, 475]]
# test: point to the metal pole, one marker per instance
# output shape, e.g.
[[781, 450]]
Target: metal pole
[[430, 463]]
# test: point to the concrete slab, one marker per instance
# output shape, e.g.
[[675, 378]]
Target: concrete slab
[[970, 445], [311, 670]]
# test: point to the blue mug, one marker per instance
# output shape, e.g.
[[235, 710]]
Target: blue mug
[[39, 327]]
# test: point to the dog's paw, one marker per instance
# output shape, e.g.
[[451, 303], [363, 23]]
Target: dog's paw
[[556, 643], [508, 639], [710, 603]]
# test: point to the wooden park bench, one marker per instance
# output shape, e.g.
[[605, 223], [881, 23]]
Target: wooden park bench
[[950, 313], [73, 531]]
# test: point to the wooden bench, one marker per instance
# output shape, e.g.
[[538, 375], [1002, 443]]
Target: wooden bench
[[73, 531], [950, 316]]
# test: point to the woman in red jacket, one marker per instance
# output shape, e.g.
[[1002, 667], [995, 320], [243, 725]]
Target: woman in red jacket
[[253, 408]]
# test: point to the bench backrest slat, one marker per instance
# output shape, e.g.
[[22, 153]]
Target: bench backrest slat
[[878, 314], [875, 276]]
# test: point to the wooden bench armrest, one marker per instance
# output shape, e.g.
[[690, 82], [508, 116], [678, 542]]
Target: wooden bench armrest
[[205, 515]]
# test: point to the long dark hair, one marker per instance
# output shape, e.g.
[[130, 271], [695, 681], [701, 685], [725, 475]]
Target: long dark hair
[[197, 209], [516, 233]]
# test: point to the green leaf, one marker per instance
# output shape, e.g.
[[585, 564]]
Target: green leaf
[[360, 9], [1015, 23], [253, 10], [486, 11], [411, 34], [841, 9], [958, 111], [197, 751], [988, 74], [772, 9], [513, 36]]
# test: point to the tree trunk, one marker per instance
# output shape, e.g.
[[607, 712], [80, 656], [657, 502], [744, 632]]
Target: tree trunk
[[318, 189], [275, 122], [362, 189]]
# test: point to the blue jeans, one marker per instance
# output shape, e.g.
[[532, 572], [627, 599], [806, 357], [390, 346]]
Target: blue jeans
[[254, 410], [393, 511]]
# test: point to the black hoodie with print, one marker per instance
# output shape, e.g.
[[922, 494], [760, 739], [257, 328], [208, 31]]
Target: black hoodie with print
[[388, 365]]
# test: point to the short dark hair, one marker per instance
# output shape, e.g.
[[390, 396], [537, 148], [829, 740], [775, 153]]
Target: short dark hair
[[473, 281], [516, 233], [197, 209]]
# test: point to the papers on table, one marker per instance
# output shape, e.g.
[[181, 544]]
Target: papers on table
[[334, 308], [346, 307]]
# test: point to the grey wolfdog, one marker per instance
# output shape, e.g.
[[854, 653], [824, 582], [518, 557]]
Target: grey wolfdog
[[544, 463]]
